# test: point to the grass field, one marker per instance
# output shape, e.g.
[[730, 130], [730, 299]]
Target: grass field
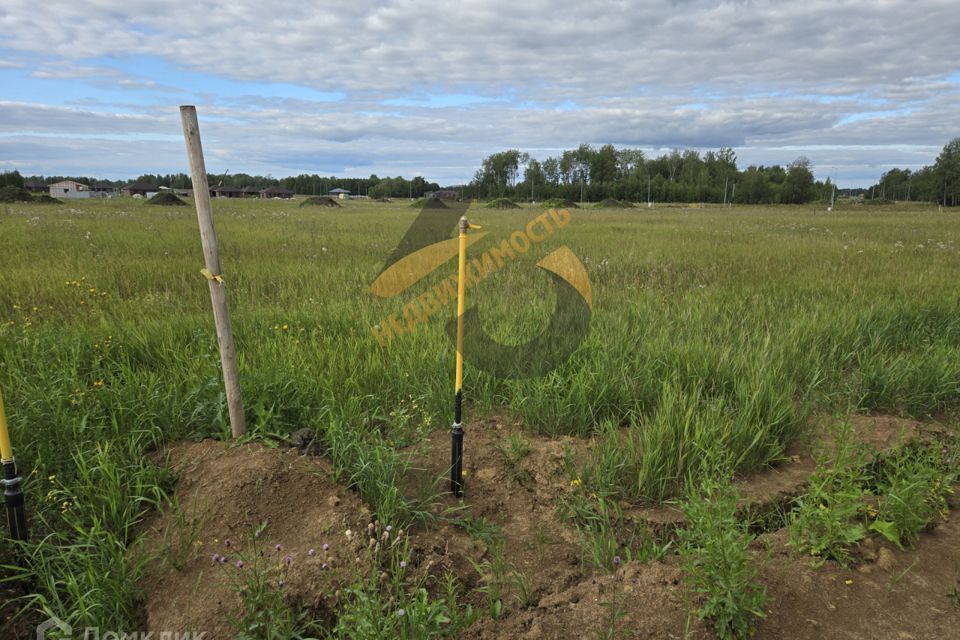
[[716, 334]]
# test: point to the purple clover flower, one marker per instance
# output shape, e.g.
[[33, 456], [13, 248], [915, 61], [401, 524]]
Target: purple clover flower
[[288, 560], [239, 564], [278, 547], [215, 557], [312, 552], [616, 560], [326, 547], [401, 613]]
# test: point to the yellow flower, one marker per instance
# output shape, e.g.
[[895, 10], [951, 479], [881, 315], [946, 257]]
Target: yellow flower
[[52, 477], [575, 482], [848, 582], [97, 384]]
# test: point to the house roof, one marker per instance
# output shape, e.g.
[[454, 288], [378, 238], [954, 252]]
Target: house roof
[[270, 190], [142, 186], [250, 190], [68, 182], [338, 190]]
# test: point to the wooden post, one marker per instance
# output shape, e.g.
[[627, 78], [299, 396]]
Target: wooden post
[[211, 256]]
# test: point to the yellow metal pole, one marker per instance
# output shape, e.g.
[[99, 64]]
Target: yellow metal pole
[[12, 493], [456, 434], [6, 451]]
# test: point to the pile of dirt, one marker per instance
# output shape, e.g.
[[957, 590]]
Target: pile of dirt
[[514, 482], [14, 194], [320, 201], [428, 203], [167, 198], [502, 203], [560, 203], [223, 495], [610, 203]]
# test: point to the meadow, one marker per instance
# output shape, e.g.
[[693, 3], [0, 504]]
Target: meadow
[[716, 335]]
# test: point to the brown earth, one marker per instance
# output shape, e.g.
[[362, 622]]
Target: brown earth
[[227, 491]]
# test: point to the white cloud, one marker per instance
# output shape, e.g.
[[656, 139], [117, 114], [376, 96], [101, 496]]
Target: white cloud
[[757, 75]]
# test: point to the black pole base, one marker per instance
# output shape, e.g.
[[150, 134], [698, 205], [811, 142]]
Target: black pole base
[[456, 459], [14, 502]]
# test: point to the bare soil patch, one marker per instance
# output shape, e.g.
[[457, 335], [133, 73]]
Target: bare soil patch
[[228, 490]]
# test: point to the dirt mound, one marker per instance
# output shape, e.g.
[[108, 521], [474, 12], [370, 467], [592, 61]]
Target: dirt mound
[[610, 203], [14, 194], [428, 203], [505, 535], [560, 203], [224, 493], [320, 201], [502, 203], [638, 601], [894, 594], [167, 198]]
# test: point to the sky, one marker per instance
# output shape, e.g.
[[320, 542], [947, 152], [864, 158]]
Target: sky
[[409, 87]]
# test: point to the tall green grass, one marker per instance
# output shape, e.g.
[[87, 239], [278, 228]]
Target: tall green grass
[[713, 331]]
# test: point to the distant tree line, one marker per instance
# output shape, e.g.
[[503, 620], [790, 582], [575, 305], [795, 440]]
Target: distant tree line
[[939, 182], [593, 174], [313, 184]]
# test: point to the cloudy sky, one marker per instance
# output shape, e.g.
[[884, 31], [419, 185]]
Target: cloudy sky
[[416, 87]]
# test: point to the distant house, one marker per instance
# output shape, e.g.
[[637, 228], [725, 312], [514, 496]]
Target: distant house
[[103, 190], [143, 189], [342, 194], [442, 194], [227, 192], [69, 189], [250, 192], [276, 192], [35, 186]]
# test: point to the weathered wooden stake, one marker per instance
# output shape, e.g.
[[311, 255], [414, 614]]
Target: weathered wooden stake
[[211, 256]]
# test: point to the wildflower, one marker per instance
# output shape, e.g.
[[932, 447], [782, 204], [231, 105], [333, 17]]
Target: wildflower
[[401, 613], [239, 564], [227, 542], [389, 528], [848, 582], [288, 560], [215, 557], [576, 482], [52, 478], [403, 564], [323, 566], [278, 547], [326, 547], [349, 534], [616, 560], [312, 552], [223, 559]]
